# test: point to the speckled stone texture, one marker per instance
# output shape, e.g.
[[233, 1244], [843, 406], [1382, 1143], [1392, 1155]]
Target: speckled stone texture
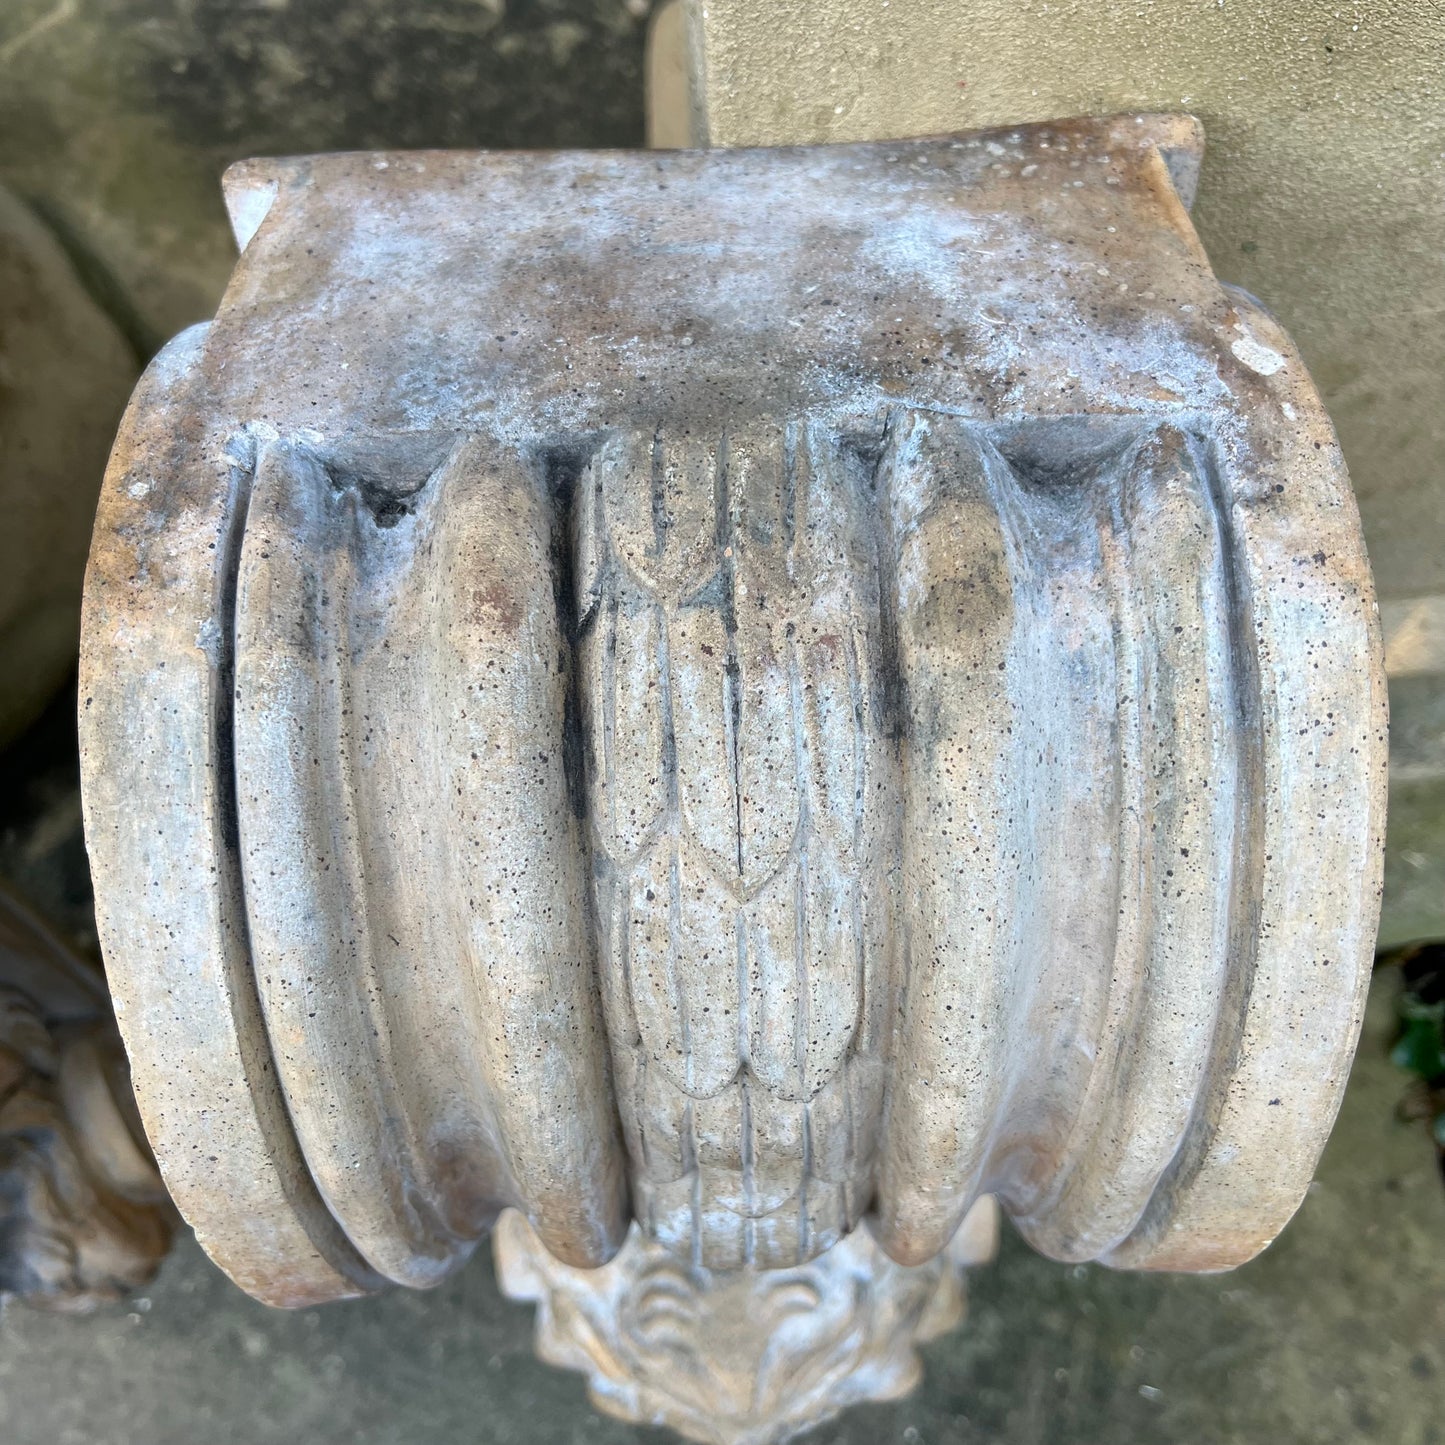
[[857, 663], [1328, 1338], [1323, 190]]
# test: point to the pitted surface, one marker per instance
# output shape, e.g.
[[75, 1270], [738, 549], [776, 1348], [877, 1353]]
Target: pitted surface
[[926, 605]]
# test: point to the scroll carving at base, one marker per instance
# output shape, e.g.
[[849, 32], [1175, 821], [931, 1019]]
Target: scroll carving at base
[[741, 1357]]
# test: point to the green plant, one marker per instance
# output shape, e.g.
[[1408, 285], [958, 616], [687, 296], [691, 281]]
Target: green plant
[[1420, 1044]]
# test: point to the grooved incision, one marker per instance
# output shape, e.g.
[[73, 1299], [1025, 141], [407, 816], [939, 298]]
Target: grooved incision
[[788, 616], [673, 716], [743, 765]]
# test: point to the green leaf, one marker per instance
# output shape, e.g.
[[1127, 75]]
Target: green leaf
[[1421, 1049]]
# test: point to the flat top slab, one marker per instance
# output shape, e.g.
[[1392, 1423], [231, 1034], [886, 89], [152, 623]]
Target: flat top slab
[[1045, 269]]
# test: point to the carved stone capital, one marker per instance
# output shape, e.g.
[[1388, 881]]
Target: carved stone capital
[[731, 693]]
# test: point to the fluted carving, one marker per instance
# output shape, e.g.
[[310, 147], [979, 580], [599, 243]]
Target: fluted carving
[[782, 687]]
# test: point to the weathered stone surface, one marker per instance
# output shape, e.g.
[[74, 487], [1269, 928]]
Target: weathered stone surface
[[1336, 1334], [1323, 191], [858, 664], [789, 685], [65, 372], [742, 1358]]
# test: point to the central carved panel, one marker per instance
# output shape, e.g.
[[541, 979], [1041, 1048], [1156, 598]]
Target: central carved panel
[[737, 664]]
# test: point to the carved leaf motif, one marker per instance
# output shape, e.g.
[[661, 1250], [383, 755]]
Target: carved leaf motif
[[703, 722], [685, 968], [659, 510], [632, 791], [734, 571]]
